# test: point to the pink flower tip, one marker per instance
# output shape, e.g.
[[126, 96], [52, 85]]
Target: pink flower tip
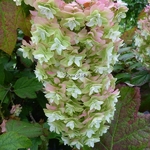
[[83, 1]]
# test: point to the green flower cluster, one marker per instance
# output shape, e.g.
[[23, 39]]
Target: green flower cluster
[[75, 46]]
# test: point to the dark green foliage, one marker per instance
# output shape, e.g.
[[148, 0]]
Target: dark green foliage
[[25, 87], [13, 141], [24, 128], [135, 8]]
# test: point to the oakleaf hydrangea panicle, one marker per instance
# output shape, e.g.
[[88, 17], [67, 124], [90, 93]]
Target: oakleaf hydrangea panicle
[[75, 45]]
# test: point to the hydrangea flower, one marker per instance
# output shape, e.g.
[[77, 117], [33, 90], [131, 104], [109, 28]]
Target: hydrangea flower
[[141, 39], [18, 2], [75, 46]]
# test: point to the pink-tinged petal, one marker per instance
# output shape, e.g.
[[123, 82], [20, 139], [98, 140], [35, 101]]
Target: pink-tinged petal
[[94, 78], [63, 89], [35, 4], [37, 19], [110, 90], [50, 107], [50, 72], [83, 114], [56, 80], [3, 126], [70, 34], [14, 107], [83, 1], [49, 88], [59, 3], [68, 8], [72, 8], [87, 120], [84, 98], [30, 44]]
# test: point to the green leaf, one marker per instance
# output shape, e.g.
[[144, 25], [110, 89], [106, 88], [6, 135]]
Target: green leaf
[[140, 78], [35, 143], [3, 94], [2, 74], [123, 77], [9, 22], [24, 128], [135, 65], [129, 129], [127, 56], [86, 148], [25, 87], [145, 96], [13, 141]]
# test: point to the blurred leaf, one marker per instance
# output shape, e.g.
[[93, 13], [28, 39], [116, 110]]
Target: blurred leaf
[[128, 36], [3, 94], [24, 128], [142, 14], [135, 65], [9, 22], [140, 78], [123, 76], [25, 87], [145, 98], [13, 141], [86, 148], [127, 56], [27, 72], [35, 143], [124, 50], [128, 129], [53, 135], [118, 67], [4, 58], [2, 74]]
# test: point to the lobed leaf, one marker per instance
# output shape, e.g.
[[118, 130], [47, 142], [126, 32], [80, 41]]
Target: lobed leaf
[[25, 87], [13, 141], [11, 18], [24, 128], [140, 78], [129, 130]]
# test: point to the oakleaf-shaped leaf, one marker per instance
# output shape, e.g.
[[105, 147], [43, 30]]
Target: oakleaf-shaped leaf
[[140, 78], [24, 128], [128, 130], [11, 18], [25, 87], [13, 141]]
